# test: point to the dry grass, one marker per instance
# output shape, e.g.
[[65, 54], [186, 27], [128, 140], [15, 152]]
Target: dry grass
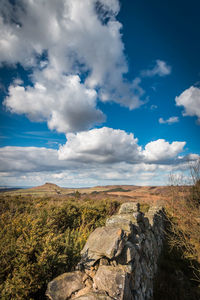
[[179, 273]]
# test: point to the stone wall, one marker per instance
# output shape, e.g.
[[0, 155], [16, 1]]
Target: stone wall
[[119, 261]]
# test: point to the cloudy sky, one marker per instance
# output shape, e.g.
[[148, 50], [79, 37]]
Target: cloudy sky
[[97, 92]]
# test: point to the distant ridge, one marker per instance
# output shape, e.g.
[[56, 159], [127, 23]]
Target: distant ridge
[[121, 192], [48, 186]]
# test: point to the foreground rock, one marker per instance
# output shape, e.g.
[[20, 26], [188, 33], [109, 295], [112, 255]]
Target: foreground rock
[[104, 241], [119, 260], [94, 296], [63, 286], [114, 281]]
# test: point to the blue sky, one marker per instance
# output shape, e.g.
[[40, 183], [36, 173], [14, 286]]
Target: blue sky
[[98, 92]]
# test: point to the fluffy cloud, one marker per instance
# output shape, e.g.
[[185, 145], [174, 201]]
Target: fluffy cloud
[[98, 156], [171, 120], [190, 100], [80, 177], [104, 145], [161, 68], [66, 106], [107, 145], [25, 160], [65, 41], [97, 148], [28, 159], [161, 151]]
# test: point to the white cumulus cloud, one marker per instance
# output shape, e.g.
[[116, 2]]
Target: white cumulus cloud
[[161, 151], [98, 156], [104, 145], [190, 100], [66, 105], [58, 41], [107, 145], [93, 149]]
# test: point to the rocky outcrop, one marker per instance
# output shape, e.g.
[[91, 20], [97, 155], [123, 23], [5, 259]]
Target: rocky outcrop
[[119, 260]]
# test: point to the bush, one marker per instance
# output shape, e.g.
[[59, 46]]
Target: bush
[[42, 238]]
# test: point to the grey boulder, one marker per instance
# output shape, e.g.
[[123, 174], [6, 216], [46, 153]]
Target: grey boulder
[[62, 287]]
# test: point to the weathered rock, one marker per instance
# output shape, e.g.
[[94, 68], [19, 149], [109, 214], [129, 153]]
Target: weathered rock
[[113, 263], [89, 283], [91, 273], [154, 214], [94, 296], [128, 254], [62, 287], [123, 221], [114, 281], [103, 242], [119, 261], [85, 277], [82, 292], [129, 207], [139, 216], [131, 253]]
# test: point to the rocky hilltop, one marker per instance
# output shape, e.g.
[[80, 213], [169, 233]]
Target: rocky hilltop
[[47, 186], [119, 260]]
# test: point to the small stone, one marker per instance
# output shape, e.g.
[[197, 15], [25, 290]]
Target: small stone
[[103, 262], [90, 272], [64, 285], [114, 281], [81, 292], [94, 296], [113, 263], [129, 268], [123, 221], [129, 207]]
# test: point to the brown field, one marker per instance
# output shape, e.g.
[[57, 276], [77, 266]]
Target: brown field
[[122, 193]]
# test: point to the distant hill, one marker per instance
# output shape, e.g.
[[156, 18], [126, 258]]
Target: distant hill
[[47, 186]]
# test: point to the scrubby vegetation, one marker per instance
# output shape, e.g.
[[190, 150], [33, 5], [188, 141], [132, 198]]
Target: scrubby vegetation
[[42, 238], [179, 274], [118, 189]]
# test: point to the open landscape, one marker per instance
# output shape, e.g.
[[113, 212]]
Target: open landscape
[[99, 133], [44, 228], [147, 194]]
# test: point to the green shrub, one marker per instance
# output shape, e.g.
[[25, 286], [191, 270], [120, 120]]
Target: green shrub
[[42, 238]]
